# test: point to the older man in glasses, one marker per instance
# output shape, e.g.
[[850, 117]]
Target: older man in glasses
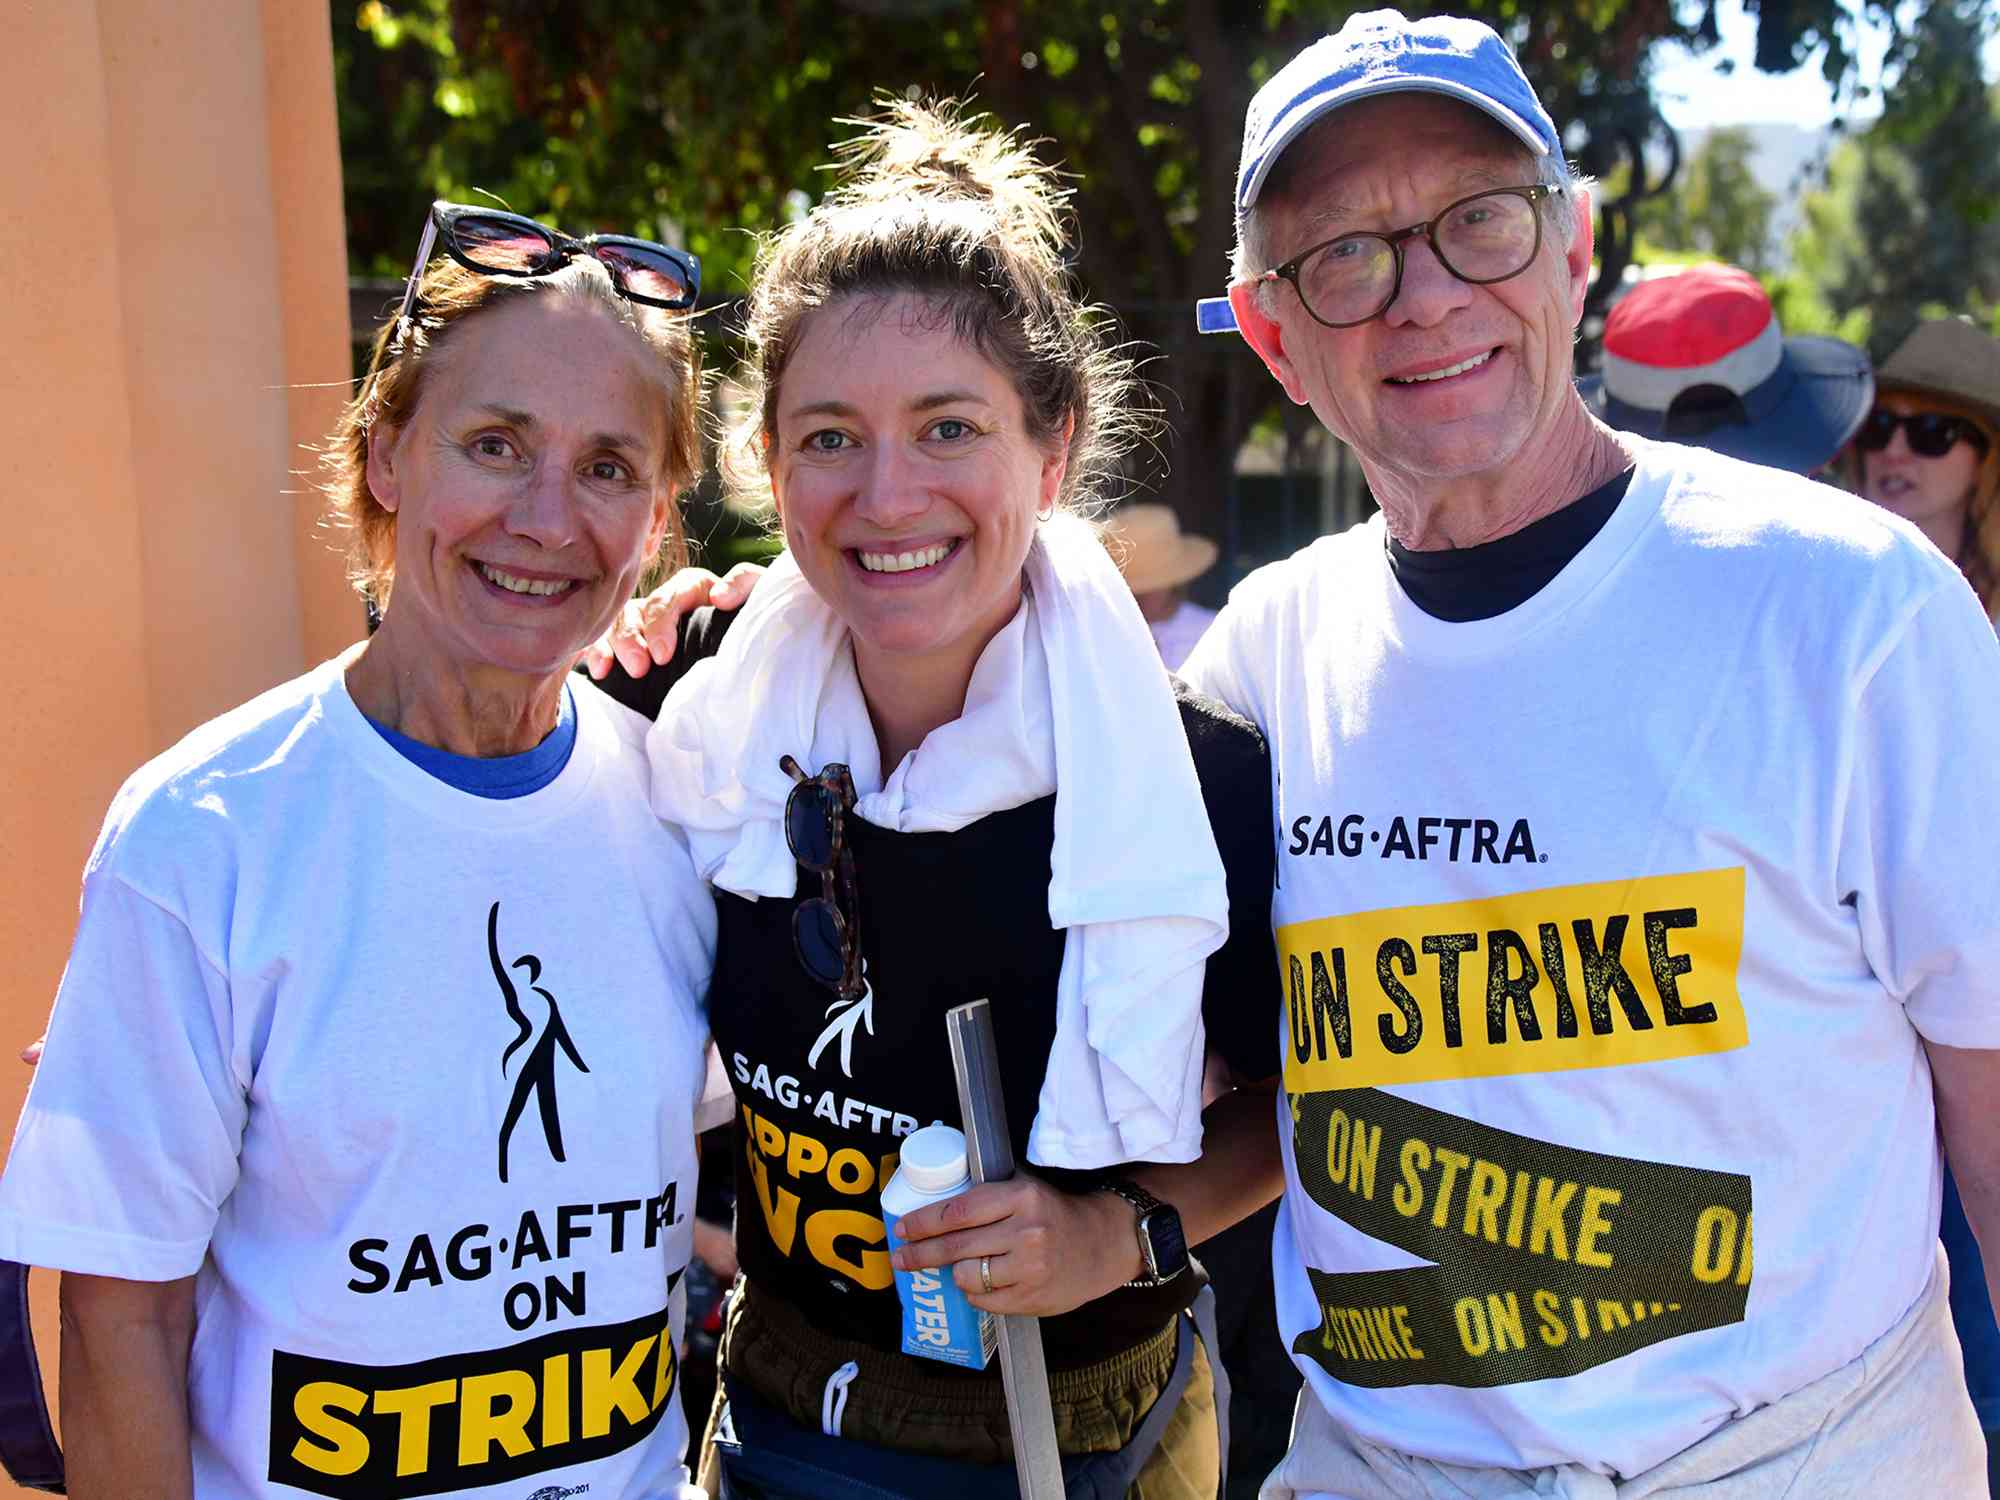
[[1636, 894]]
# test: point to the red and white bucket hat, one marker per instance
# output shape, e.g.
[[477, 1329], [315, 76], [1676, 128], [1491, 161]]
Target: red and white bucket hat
[[1699, 358]]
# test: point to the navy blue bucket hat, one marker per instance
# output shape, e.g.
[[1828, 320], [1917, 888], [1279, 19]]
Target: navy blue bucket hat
[[1698, 358]]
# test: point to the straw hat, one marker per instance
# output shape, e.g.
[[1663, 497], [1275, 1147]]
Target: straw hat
[[1947, 357], [1151, 550], [1699, 358]]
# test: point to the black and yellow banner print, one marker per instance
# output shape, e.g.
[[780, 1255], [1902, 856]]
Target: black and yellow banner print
[[1547, 1259], [365, 1432]]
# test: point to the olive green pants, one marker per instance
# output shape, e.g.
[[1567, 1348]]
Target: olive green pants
[[901, 1402]]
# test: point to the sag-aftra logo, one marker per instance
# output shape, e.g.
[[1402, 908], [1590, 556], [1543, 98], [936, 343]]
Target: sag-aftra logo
[[578, 1389], [1478, 841]]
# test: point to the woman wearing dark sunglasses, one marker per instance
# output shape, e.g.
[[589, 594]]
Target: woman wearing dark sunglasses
[[1930, 450], [363, 1135], [936, 759]]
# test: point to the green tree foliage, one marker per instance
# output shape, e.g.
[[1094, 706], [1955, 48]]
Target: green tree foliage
[[701, 119], [1715, 208], [1906, 226]]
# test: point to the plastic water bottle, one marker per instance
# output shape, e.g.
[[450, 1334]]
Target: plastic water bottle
[[938, 1321]]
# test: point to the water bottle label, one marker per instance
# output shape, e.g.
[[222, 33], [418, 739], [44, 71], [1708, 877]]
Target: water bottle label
[[938, 1321]]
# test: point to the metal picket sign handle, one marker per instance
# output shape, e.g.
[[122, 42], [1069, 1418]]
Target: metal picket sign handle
[[989, 1153]]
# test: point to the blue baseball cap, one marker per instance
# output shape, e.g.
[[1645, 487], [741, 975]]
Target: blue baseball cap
[[1382, 52]]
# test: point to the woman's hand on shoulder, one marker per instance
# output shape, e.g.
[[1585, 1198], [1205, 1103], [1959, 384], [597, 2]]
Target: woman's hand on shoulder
[[1046, 1251], [646, 630]]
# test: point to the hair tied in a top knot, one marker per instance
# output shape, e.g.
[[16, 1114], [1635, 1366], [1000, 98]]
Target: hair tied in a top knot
[[941, 149], [957, 174]]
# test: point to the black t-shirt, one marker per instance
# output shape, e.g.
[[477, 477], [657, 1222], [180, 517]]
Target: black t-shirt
[[825, 1092], [1477, 583]]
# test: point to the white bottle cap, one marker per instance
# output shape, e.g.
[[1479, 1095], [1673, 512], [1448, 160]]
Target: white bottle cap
[[932, 1160]]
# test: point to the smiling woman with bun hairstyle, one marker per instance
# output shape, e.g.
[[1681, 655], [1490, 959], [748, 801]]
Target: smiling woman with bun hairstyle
[[936, 759]]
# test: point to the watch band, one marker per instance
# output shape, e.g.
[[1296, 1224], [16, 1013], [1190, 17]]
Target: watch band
[[1145, 1204]]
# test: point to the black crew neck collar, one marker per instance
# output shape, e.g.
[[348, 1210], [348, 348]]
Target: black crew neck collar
[[1458, 584]]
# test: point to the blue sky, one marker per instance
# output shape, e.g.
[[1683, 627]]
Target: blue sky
[[1693, 90]]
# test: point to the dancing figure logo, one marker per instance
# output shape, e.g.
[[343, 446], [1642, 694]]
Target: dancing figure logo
[[538, 1072]]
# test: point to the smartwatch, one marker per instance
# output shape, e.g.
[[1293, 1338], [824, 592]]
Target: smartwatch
[[1162, 1245]]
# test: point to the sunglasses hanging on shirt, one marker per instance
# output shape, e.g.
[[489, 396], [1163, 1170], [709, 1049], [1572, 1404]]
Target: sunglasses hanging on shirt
[[826, 930]]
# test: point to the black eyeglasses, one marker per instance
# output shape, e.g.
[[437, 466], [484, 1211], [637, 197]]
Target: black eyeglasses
[[1930, 434], [826, 931], [503, 244], [1491, 236]]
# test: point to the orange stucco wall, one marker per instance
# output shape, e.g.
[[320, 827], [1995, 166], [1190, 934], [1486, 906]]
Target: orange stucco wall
[[174, 319]]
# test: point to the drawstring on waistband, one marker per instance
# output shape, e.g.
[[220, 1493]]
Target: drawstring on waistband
[[833, 1401]]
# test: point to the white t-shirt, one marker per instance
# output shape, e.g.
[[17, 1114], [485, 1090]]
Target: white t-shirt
[[405, 1077], [1601, 920]]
